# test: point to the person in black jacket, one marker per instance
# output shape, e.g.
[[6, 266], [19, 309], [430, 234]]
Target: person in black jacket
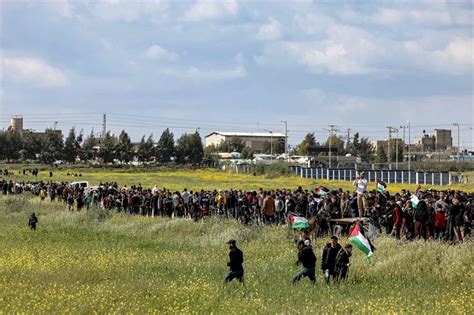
[[343, 263], [328, 261], [236, 258], [307, 258], [421, 219], [32, 221]]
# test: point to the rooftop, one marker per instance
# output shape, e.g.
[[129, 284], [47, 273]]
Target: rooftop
[[247, 134]]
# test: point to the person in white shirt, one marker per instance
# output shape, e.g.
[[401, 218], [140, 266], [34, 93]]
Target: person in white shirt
[[186, 201], [361, 189]]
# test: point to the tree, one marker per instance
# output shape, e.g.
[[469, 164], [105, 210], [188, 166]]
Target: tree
[[189, 149], [361, 148], [107, 149], [247, 153], [124, 148], [145, 149], [88, 151], [198, 148], [232, 145], [52, 147], [71, 146], [210, 152], [381, 154], [10, 145], [165, 147], [309, 140], [278, 147], [365, 149], [336, 143], [393, 150], [32, 144]]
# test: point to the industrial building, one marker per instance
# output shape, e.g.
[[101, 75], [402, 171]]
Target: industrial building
[[426, 143], [254, 140], [444, 139], [440, 141], [16, 124]]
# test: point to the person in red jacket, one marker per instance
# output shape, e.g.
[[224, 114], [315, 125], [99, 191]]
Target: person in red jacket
[[397, 214], [439, 222]]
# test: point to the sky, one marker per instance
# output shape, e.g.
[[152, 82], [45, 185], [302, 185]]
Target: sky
[[239, 66]]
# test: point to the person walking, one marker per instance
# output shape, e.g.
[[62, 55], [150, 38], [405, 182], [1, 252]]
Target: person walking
[[236, 259], [32, 221], [307, 258], [328, 261], [268, 208], [343, 263]]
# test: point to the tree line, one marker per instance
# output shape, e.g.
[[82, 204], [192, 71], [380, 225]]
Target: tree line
[[359, 146], [50, 146]]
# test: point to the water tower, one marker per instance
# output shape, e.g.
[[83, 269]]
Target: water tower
[[16, 124]]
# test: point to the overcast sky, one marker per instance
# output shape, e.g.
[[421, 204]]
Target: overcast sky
[[238, 66]]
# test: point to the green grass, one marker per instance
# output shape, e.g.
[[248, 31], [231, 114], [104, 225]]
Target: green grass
[[208, 179], [78, 263]]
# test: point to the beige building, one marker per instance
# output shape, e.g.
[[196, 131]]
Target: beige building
[[253, 140], [379, 143], [384, 143]]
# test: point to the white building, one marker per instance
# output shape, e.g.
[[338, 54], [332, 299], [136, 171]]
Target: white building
[[253, 140]]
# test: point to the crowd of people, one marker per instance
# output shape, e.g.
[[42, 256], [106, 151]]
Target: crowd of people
[[443, 215]]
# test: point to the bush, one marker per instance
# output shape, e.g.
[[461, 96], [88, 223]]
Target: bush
[[273, 170]]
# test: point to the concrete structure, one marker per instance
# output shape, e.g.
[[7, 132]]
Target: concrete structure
[[253, 140], [16, 124], [426, 143], [444, 139]]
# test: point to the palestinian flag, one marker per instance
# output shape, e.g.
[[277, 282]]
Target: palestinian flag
[[321, 190], [414, 201], [381, 186], [299, 222], [357, 237]]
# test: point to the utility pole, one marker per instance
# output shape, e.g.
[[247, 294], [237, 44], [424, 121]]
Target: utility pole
[[389, 144], [396, 150], [404, 139], [409, 146], [348, 138], [286, 138], [104, 125], [331, 132], [389, 154], [459, 148], [271, 143]]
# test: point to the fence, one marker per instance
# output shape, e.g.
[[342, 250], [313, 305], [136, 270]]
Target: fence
[[388, 176]]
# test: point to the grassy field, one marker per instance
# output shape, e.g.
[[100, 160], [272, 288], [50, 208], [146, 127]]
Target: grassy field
[[102, 262], [201, 179]]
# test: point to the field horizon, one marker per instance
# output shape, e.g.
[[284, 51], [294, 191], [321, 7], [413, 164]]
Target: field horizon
[[197, 179]]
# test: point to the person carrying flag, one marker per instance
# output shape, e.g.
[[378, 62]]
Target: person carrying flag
[[358, 239], [343, 263]]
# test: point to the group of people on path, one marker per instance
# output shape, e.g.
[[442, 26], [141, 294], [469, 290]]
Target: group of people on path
[[335, 261]]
